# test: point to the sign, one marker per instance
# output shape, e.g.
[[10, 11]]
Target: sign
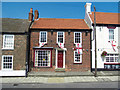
[[61, 45], [79, 48], [42, 44], [113, 43]]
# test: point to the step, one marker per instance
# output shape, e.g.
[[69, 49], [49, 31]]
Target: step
[[60, 70]]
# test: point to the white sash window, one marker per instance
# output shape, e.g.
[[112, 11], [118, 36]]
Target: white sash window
[[111, 34], [60, 39], [77, 37], [8, 41], [43, 37], [7, 62], [77, 57]]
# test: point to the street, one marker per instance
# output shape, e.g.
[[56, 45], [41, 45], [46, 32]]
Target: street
[[65, 85]]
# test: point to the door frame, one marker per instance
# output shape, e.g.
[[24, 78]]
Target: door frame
[[56, 66]]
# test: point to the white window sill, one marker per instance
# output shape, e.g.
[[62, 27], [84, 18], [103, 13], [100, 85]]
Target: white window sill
[[7, 48]]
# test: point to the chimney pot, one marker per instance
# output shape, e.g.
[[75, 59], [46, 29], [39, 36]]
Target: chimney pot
[[31, 15], [36, 15]]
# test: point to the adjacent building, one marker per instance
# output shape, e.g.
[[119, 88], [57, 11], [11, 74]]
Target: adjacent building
[[14, 47], [107, 25]]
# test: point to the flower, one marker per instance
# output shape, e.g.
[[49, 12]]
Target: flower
[[104, 53]]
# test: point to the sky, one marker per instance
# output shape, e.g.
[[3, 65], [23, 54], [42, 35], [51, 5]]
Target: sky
[[74, 10]]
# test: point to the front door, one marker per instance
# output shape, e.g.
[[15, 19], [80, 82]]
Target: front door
[[60, 59]]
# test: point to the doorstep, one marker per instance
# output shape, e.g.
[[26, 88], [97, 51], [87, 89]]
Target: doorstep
[[60, 70]]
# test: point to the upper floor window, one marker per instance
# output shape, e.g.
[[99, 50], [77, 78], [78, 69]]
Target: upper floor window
[[43, 37], [111, 34], [60, 37], [77, 37], [8, 41], [7, 62]]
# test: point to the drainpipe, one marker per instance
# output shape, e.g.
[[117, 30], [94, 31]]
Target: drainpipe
[[27, 50]]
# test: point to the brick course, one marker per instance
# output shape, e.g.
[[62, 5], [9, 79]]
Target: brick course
[[69, 56]]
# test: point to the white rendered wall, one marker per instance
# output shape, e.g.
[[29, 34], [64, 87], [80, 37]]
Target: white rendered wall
[[102, 36], [12, 72]]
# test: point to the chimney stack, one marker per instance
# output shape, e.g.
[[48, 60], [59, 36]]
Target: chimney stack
[[88, 8], [36, 15], [31, 15]]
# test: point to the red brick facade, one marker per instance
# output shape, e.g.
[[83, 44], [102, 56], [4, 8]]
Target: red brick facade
[[69, 54]]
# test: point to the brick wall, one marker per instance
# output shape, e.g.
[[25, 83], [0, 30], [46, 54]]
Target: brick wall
[[69, 56], [19, 52]]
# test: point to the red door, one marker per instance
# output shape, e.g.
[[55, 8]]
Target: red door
[[60, 59]]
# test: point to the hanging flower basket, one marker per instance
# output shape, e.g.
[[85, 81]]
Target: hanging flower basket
[[104, 53]]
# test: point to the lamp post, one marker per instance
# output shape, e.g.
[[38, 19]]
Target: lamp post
[[95, 43]]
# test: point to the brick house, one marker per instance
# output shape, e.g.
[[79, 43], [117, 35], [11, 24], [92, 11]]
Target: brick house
[[59, 44], [13, 47], [107, 28]]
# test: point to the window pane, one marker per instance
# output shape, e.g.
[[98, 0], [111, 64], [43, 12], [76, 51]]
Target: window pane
[[7, 62], [8, 41], [43, 36], [77, 57], [112, 58], [111, 34], [42, 58], [60, 37], [77, 37]]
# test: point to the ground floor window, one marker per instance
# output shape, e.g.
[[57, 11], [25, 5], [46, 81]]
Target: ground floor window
[[112, 61], [7, 62], [112, 58], [77, 57], [42, 58]]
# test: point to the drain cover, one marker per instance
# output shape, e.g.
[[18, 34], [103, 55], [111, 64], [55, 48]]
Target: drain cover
[[15, 84]]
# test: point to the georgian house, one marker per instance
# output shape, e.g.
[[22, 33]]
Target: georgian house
[[107, 25], [59, 44], [13, 38]]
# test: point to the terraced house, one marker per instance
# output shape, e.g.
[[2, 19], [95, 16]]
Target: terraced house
[[59, 44], [14, 47]]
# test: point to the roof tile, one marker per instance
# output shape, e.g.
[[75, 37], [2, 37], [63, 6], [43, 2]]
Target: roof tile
[[54, 23]]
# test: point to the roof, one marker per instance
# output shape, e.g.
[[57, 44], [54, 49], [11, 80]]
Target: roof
[[105, 18], [15, 25], [54, 23]]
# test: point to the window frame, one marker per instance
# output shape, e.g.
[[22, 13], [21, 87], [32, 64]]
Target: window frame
[[3, 62], [80, 58], [111, 35], [80, 37], [113, 58], [50, 57], [63, 36], [40, 37], [4, 41]]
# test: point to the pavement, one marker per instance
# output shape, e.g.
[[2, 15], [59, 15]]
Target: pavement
[[68, 74], [103, 76]]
